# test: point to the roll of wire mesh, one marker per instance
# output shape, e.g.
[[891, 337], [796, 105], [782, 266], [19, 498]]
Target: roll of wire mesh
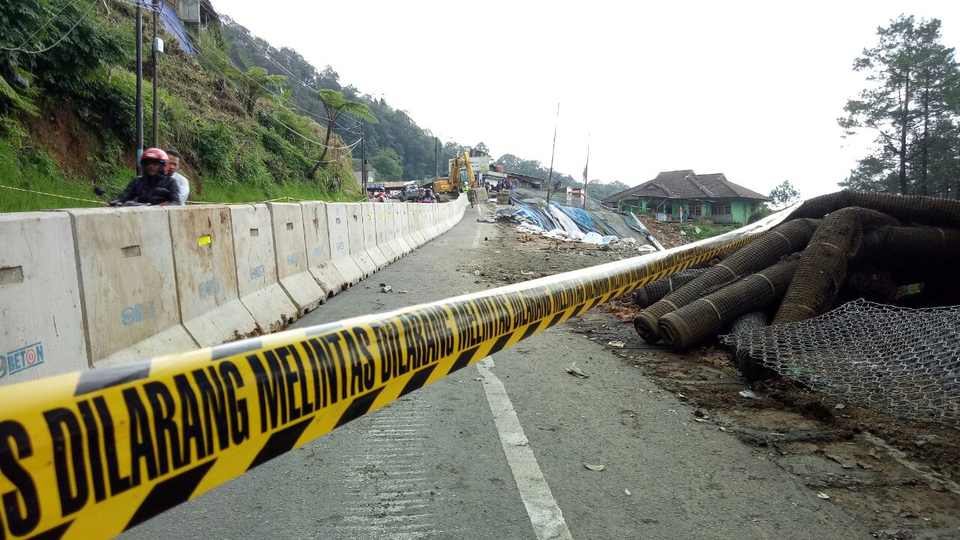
[[785, 239], [906, 208], [705, 317], [750, 368], [652, 292], [823, 268]]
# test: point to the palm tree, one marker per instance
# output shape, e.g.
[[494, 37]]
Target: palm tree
[[335, 104]]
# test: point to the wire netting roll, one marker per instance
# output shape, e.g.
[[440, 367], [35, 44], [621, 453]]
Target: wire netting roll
[[687, 326], [750, 369], [910, 246], [906, 208], [757, 255], [652, 292], [823, 269]]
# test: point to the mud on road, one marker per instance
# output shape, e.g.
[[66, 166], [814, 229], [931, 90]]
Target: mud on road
[[899, 479]]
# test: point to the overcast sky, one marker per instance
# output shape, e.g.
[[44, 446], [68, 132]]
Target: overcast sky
[[752, 90]]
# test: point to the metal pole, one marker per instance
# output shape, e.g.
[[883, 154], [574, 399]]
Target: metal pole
[[363, 161], [586, 168], [139, 85], [436, 157], [156, 114], [553, 151]]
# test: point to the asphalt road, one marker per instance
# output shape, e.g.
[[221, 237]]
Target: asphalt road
[[499, 450]]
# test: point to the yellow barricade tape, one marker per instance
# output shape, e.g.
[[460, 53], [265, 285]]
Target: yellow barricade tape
[[91, 454]]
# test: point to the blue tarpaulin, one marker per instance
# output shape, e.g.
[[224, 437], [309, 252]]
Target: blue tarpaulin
[[171, 21]]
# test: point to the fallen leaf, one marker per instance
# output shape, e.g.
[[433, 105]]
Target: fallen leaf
[[576, 372], [592, 467]]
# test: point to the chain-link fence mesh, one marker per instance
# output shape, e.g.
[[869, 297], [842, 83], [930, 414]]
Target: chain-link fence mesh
[[904, 362]]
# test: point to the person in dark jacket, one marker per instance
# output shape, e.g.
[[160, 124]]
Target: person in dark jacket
[[154, 186]]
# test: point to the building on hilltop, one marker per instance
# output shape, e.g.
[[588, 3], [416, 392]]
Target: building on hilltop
[[673, 195]]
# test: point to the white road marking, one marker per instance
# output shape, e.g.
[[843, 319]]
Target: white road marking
[[545, 515], [478, 238]]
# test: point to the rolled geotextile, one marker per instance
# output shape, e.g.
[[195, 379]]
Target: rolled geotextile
[[687, 326], [823, 267], [912, 246], [750, 368], [907, 208], [654, 291], [757, 255]]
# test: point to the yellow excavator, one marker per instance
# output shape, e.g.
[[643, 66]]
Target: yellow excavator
[[461, 172]]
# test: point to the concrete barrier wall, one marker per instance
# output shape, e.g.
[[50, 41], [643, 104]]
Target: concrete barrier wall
[[355, 232], [256, 264], [317, 237], [128, 284], [340, 244], [40, 315], [206, 270], [369, 225], [292, 270], [93, 287]]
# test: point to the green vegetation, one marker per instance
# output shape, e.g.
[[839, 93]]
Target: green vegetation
[[699, 231], [912, 107], [67, 113]]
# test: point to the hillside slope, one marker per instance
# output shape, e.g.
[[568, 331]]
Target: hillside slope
[[73, 126]]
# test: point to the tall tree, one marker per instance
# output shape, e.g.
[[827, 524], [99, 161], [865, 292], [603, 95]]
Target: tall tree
[[784, 194], [255, 84], [912, 80], [336, 105]]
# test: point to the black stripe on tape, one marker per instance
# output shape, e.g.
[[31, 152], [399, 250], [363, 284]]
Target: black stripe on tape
[[359, 407], [500, 344], [556, 318], [235, 348], [418, 380], [55, 533], [530, 330], [280, 442], [577, 310], [93, 380], [464, 359], [595, 302], [169, 493]]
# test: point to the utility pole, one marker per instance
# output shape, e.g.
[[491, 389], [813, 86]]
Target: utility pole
[[585, 168], [436, 157], [552, 152], [363, 161], [156, 114], [139, 85]]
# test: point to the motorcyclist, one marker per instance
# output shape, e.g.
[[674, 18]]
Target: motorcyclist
[[154, 186]]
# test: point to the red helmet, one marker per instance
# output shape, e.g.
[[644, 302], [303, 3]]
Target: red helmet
[[155, 154]]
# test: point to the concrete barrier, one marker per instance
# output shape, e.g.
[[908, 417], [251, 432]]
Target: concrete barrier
[[206, 269], [340, 244], [368, 224], [416, 220], [41, 322], [430, 221], [358, 248], [388, 249], [395, 234], [256, 263], [405, 226], [317, 236], [286, 220], [128, 284]]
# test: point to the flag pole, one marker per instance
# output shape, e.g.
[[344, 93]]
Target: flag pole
[[552, 153], [587, 166]]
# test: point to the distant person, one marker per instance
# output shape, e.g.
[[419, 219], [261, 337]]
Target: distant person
[[154, 186], [173, 167]]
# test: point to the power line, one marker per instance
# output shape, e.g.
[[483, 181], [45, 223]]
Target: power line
[[64, 36]]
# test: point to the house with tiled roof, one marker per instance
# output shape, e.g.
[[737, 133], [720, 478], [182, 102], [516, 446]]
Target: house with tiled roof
[[683, 194]]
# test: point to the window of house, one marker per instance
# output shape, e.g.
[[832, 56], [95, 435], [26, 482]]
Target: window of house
[[721, 209], [696, 210]]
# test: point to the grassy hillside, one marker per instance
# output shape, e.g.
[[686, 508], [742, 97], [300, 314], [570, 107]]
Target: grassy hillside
[[73, 127]]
